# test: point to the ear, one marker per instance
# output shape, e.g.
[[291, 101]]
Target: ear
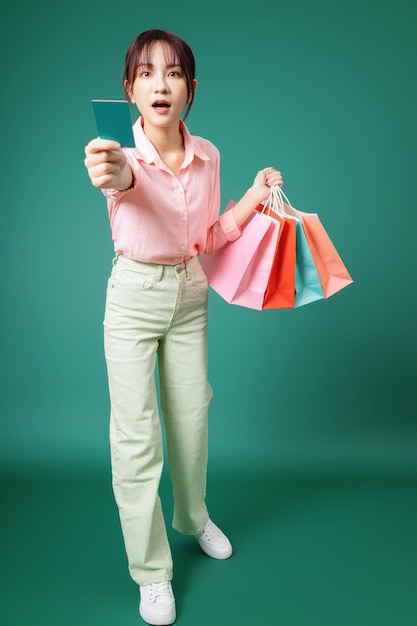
[[129, 91], [195, 85]]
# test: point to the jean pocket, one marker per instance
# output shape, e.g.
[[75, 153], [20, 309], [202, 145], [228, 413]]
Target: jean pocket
[[127, 279]]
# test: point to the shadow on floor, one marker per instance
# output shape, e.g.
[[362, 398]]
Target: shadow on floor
[[311, 548]]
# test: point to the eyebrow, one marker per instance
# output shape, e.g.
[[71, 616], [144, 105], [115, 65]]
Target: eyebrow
[[168, 66]]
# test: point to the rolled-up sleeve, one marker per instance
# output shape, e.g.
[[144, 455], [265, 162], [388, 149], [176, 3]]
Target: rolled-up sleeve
[[224, 230], [229, 226]]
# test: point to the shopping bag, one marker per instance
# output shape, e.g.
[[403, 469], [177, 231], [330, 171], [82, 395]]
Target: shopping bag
[[307, 281], [239, 271], [331, 270], [280, 289], [294, 280], [333, 273]]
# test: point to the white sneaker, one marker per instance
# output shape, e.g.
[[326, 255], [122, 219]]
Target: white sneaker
[[157, 604], [214, 543]]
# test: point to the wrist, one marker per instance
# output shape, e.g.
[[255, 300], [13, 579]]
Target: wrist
[[254, 196], [125, 179]]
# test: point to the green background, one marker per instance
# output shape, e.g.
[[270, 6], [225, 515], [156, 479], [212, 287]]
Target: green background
[[313, 458]]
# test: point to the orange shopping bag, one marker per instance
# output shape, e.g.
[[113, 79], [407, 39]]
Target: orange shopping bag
[[330, 267], [280, 289]]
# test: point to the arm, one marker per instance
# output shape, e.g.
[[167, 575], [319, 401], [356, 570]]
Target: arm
[[228, 226], [259, 191], [107, 165]]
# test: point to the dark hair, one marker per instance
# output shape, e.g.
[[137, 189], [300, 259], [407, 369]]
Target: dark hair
[[176, 51]]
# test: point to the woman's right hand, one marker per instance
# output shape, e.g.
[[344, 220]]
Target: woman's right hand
[[107, 165]]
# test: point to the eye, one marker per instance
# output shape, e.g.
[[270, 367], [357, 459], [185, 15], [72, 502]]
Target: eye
[[175, 74], [145, 74]]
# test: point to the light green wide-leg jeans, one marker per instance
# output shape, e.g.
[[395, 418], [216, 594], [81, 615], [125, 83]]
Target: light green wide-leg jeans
[[157, 314]]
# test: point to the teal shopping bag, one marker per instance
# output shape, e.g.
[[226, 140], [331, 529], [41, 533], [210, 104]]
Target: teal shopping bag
[[307, 282]]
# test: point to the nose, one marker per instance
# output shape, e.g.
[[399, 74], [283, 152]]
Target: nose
[[160, 85]]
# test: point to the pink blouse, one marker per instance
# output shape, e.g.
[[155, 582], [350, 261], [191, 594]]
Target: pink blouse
[[168, 219]]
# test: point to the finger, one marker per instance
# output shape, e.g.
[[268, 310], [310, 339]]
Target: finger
[[101, 145], [113, 157], [103, 182], [276, 180], [106, 169], [274, 174]]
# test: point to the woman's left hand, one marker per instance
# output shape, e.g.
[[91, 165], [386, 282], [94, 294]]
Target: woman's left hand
[[256, 194], [264, 180]]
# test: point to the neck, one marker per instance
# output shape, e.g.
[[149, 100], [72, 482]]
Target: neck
[[164, 139]]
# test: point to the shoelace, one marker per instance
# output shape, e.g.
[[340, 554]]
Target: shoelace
[[159, 591], [211, 532]]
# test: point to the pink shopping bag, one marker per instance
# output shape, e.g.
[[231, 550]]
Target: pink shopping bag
[[239, 271]]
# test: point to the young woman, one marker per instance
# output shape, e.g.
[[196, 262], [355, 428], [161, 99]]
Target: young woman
[[164, 202]]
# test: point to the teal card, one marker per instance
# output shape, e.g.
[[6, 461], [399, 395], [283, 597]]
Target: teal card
[[113, 121]]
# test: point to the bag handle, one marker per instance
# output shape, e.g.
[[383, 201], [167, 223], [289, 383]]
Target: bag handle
[[272, 204], [275, 204], [287, 208], [279, 205]]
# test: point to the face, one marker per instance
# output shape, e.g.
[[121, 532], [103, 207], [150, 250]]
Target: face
[[159, 89]]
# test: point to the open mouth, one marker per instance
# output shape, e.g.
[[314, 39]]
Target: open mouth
[[161, 104]]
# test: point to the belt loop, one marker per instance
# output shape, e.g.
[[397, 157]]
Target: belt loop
[[116, 258], [159, 272]]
